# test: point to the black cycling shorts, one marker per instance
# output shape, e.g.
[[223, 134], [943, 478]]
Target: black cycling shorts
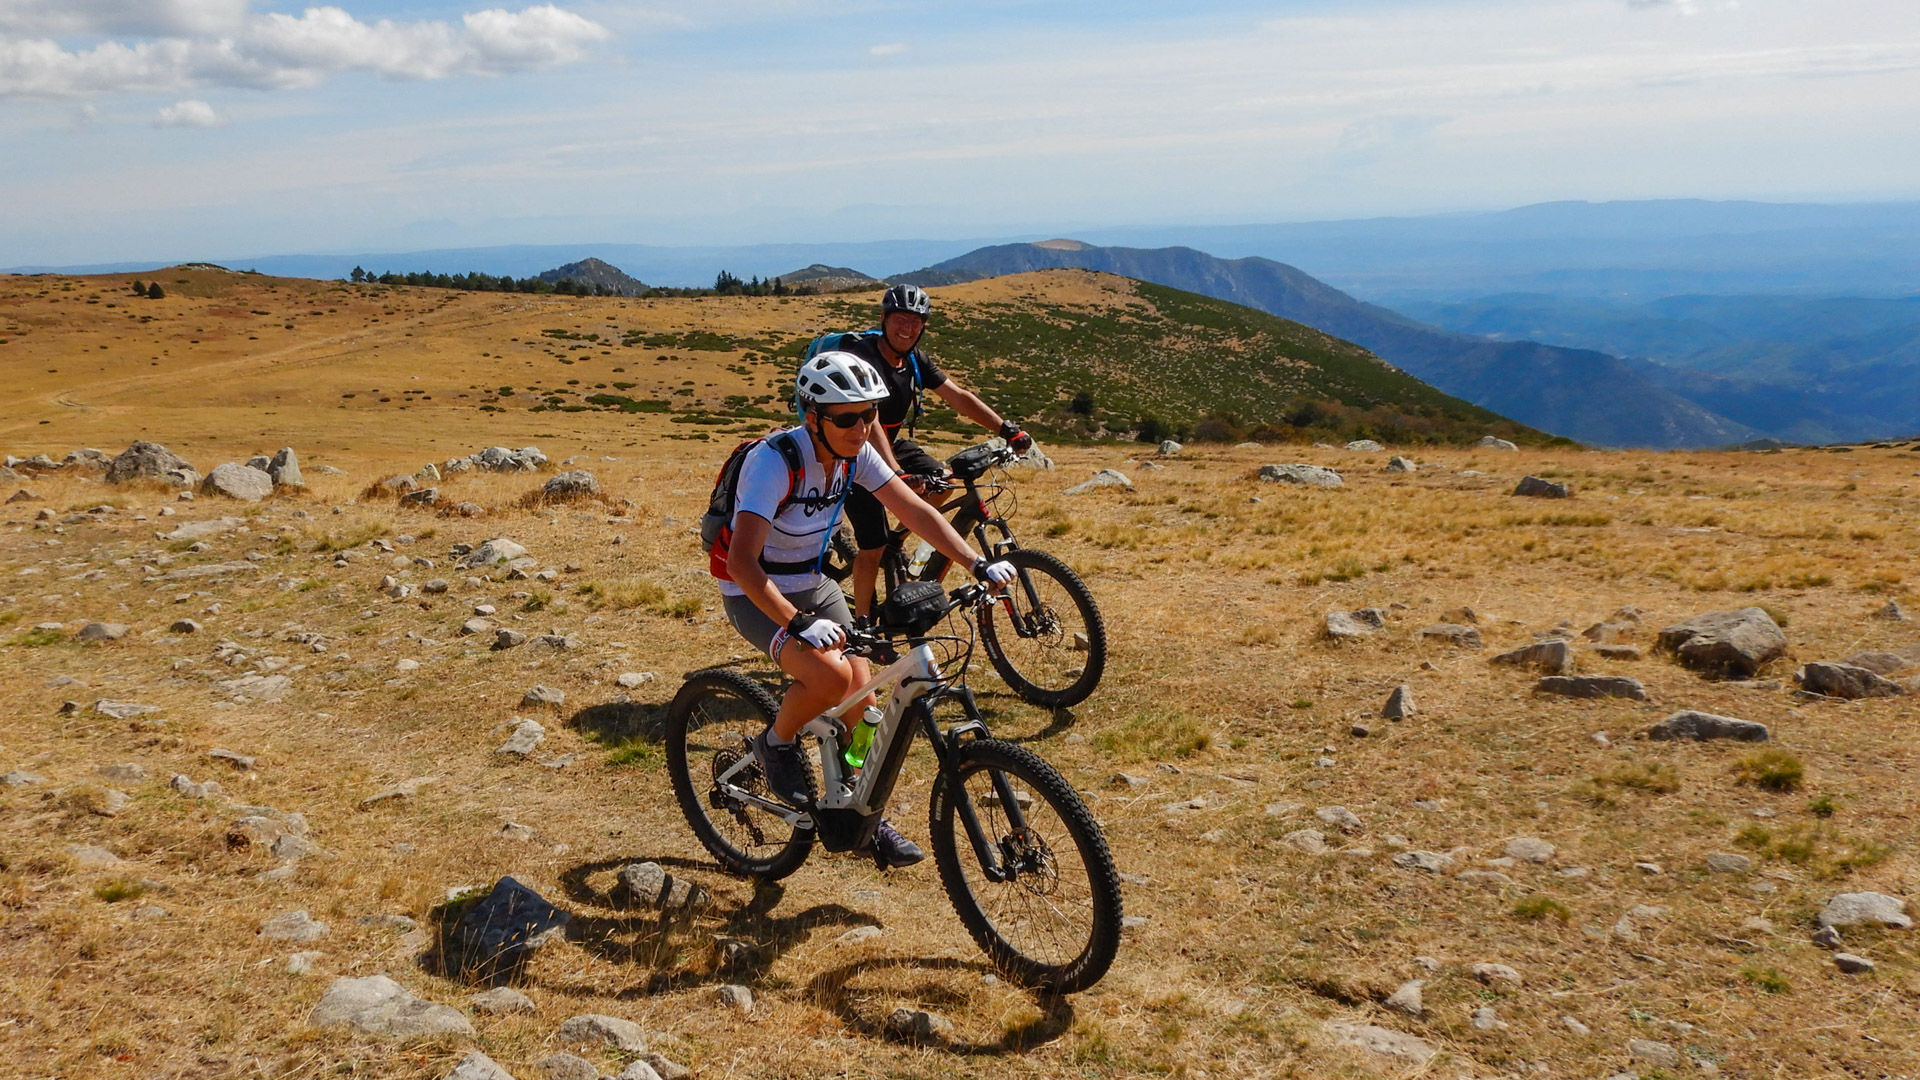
[[864, 512]]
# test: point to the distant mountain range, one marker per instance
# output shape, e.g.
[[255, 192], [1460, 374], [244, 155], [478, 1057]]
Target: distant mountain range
[[1582, 394]]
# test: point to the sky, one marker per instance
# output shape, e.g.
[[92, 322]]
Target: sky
[[179, 129]]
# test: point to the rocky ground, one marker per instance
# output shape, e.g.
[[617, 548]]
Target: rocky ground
[[1385, 764]]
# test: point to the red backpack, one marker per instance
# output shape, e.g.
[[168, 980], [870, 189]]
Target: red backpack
[[716, 525]]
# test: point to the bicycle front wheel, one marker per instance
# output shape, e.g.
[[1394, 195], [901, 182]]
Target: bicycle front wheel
[[1048, 913], [709, 725], [1043, 634]]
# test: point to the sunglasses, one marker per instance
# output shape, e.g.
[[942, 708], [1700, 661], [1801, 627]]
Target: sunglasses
[[844, 421]]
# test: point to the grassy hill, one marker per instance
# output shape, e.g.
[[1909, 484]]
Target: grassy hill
[[130, 942]]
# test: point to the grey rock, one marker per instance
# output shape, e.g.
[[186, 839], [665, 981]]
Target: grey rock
[[1575, 1026], [1496, 974], [478, 1066], [553, 643], [1348, 625], [285, 468], [1865, 909], [647, 884], [1489, 442], [1384, 1042], [1617, 652], [1880, 663], [543, 695], [507, 639], [93, 858], [1726, 862], [475, 626], [1534, 487], [1591, 687], [1105, 478], [1657, 1054], [1340, 817], [1530, 849], [1310, 841], [131, 772], [406, 789], [527, 734], [632, 679], [1554, 656], [1365, 446], [184, 626], [499, 934], [1407, 999], [501, 1001], [1638, 918], [237, 482], [643, 1068], [261, 462], [200, 530], [1852, 964], [388, 921], [436, 586], [1465, 637], [1400, 465], [1492, 879], [1432, 862], [293, 926], [917, 1025], [103, 631], [256, 687], [301, 963], [291, 848], [569, 485], [376, 1005], [1726, 643], [492, 552], [1892, 611], [736, 997], [1845, 681], [421, 498], [597, 1029], [1399, 704], [1827, 937], [1310, 475], [859, 934], [1485, 1018], [567, 1067], [146, 459], [1702, 727], [238, 761], [1609, 633], [1169, 448], [20, 778]]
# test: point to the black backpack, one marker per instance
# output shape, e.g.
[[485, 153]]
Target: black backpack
[[716, 525]]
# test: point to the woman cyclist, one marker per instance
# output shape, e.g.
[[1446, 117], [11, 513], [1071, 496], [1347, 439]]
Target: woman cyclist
[[773, 591]]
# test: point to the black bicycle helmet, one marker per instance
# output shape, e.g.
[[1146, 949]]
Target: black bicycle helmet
[[908, 298]]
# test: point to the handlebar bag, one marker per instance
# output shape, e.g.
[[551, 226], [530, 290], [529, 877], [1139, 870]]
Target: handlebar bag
[[914, 607]]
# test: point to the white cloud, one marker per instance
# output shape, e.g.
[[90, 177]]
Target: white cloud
[[186, 17], [189, 113], [279, 51], [892, 48]]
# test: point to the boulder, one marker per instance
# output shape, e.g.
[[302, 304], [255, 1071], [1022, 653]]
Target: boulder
[[598, 1029], [149, 460], [1591, 686], [238, 482], [285, 468], [527, 734], [1726, 643], [570, 485], [1105, 478], [1865, 909], [1312, 475], [87, 459], [1702, 727], [1400, 465], [1489, 442], [422, 499], [1399, 704], [376, 1005], [1880, 663], [1465, 637], [103, 631], [1384, 1042], [1365, 446], [497, 550], [1554, 656], [1348, 625], [501, 1001], [1840, 681], [1168, 448], [1534, 487]]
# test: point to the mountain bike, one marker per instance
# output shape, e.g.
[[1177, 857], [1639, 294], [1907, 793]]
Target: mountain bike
[[1044, 634], [1020, 856]]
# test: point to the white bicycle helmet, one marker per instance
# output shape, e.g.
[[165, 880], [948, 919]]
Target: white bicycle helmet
[[837, 378]]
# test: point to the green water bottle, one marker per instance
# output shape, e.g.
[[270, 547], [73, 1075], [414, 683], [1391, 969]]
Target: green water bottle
[[861, 738]]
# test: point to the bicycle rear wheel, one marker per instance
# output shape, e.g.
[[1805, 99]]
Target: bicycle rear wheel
[[1054, 921], [709, 725], [1043, 634]]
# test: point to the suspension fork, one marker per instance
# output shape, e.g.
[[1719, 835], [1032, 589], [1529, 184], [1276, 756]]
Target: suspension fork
[[946, 749]]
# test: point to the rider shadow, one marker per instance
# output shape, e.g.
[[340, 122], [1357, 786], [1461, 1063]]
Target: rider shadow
[[831, 990], [709, 945], [622, 721]]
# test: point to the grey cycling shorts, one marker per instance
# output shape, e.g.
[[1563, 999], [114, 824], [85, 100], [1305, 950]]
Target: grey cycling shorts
[[824, 599]]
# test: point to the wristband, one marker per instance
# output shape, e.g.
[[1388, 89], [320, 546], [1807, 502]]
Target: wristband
[[800, 621], [980, 568], [1008, 429]]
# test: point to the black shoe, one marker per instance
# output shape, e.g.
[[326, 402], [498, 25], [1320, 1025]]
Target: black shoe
[[893, 851], [785, 768]]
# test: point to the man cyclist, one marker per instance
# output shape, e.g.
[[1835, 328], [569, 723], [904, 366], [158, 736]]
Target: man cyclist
[[894, 351], [770, 580]]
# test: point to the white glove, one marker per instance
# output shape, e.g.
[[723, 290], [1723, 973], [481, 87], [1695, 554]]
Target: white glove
[[822, 633], [993, 573]]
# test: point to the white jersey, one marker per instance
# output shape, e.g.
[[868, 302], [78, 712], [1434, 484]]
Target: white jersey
[[801, 531]]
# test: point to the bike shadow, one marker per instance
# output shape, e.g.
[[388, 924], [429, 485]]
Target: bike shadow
[[613, 722], [831, 990]]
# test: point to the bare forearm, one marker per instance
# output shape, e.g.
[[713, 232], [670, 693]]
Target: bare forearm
[[926, 522], [968, 404]]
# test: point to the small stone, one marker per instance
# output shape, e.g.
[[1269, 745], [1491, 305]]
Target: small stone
[[103, 631], [406, 789], [478, 1066], [1311, 841], [1383, 1041], [131, 772], [567, 1067], [648, 884], [1492, 879], [1657, 1054], [1534, 487], [543, 695], [859, 934], [1827, 938], [527, 734], [1360, 731], [20, 778], [1432, 862], [1726, 862], [501, 1001], [631, 679], [735, 997], [1485, 1019], [1865, 909], [1575, 1026], [301, 963], [376, 1005], [93, 858], [1852, 964], [1492, 974], [1340, 817], [1399, 704], [596, 1029], [1648, 868], [1554, 656], [918, 1026], [184, 626], [1530, 849], [1121, 779], [293, 926], [507, 639], [1282, 809], [1702, 727], [1407, 999], [1465, 637], [1591, 687], [239, 761]]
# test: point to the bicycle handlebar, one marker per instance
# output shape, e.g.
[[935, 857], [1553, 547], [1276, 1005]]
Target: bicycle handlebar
[[861, 641]]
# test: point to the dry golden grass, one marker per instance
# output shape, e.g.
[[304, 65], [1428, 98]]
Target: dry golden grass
[[1213, 601]]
